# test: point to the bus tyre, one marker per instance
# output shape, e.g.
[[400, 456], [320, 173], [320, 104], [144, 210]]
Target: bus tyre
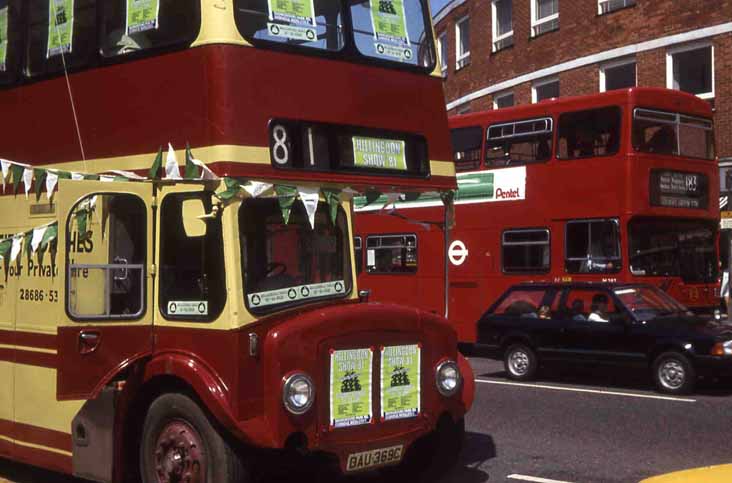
[[520, 362], [673, 373], [180, 444]]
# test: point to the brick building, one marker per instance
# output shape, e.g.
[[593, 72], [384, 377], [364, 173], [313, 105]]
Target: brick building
[[497, 53]]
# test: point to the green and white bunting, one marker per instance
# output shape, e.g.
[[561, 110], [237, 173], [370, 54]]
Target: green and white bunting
[[142, 15], [391, 36], [60, 27], [3, 38], [292, 19], [350, 387], [400, 382]]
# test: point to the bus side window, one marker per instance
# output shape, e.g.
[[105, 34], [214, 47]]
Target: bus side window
[[466, 145], [391, 254], [177, 22], [73, 35], [192, 273], [11, 40], [592, 246], [585, 134], [526, 251], [106, 253], [519, 142], [358, 253]]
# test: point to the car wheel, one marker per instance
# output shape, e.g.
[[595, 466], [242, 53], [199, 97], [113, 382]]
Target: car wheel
[[520, 362], [673, 373], [179, 443]]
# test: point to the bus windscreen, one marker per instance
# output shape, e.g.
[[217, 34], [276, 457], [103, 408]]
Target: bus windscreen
[[672, 133]]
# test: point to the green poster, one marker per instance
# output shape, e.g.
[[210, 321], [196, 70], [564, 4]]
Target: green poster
[[379, 153], [3, 37], [142, 15], [400, 382], [389, 21], [60, 27], [350, 387], [292, 19]]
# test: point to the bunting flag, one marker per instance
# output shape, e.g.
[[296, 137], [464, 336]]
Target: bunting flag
[[5, 247], [126, 175], [16, 248], [27, 180], [5, 166], [40, 175], [233, 187], [106, 179], [172, 171], [255, 189], [157, 164], [191, 168], [391, 198], [27, 239], [49, 239], [371, 196], [37, 237], [51, 182], [310, 198], [77, 176], [17, 172], [286, 196], [333, 201]]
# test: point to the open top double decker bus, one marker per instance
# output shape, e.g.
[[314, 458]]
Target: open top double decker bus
[[178, 329], [619, 186]]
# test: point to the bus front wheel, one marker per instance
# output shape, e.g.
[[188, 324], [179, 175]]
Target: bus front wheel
[[179, 443]]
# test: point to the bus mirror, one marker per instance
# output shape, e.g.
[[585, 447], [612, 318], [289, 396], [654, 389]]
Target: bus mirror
[[194, 214]]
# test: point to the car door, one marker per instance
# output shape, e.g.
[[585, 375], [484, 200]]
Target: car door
[[105, 255]]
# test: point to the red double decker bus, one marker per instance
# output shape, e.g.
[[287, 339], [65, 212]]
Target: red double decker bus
[[618, 186]]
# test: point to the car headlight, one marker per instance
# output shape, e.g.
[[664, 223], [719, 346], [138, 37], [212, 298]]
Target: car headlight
[[298, 393], [448, 378], [722, 348]]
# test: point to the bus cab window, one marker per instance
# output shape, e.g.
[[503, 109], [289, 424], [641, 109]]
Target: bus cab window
[[466, 145], [586, 134], [192, 272], [391, 254], [73, 36], [520, 142], [106, 245], [11, 38], [592, 246], [358, 251], [262, 20], [176, 22]]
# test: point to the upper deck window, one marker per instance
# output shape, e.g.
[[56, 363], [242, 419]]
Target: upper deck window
[[133, 25], [672, 133], [585, 134], [466, 145], [61, 34], [519, 142], [10, 40]]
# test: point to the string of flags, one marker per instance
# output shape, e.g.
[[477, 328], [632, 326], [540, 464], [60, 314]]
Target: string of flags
[[37, 241]]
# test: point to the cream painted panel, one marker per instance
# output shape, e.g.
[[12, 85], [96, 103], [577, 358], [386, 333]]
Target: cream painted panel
[[35, 400], [6, 397]]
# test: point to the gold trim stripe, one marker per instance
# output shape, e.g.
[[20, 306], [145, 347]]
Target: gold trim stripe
[[29, 349]]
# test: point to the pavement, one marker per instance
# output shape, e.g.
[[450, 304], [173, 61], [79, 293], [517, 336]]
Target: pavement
[[572, 425]]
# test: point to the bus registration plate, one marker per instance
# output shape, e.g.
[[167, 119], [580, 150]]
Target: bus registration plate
[[374, 458]]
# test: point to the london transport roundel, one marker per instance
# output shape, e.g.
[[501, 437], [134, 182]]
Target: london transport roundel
[[457, 253]]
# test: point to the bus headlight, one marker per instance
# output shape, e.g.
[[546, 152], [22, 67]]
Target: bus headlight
[[448, 378], [298, 393]]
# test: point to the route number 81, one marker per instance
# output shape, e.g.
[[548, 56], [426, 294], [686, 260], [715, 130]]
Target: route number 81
[[280, 150]]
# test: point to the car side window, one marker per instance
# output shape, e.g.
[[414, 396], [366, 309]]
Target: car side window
[[589, 305], [528, 303]]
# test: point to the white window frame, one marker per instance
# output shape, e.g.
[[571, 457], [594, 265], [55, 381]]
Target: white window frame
[[542, 82], [685, 48], [535, 22], [614, 64], [461, 60], [463, 109], [600, 2], [500, 95], [494, 26], [442, 42]]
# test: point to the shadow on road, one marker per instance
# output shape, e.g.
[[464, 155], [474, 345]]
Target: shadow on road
[[17, 473], [478, 449]]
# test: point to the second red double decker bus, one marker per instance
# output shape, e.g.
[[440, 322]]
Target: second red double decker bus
[[618, 186]]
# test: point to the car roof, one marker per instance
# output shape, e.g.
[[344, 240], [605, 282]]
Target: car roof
[[581, 285]]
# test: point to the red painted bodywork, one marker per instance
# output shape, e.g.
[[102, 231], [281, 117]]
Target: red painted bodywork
[[556, 191]]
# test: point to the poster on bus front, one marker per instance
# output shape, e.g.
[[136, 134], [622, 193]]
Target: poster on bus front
[[292, 19], [350, 387], [3, 38], [400, 382], [60, 27], [142, 15], [389, 21]]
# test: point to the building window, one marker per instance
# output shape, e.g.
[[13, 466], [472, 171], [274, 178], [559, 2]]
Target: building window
[[544, 89], [592, 246], [463, 109], [391, 254], [691, 69], [520, 142], [590, 133], [607, 6], [442, 48], [525, 251], [544, 16], [466, 145], [618, 75], [502, 24], [502, 100], [462, 42]]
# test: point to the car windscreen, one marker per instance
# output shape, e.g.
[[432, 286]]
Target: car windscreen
[[289, 262], [647, 302], [673, 248]]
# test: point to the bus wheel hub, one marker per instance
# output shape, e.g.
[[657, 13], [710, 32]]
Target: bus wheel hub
[[178, 455]]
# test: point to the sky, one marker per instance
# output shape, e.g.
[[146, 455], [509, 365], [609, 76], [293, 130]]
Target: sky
[[436, 5]]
